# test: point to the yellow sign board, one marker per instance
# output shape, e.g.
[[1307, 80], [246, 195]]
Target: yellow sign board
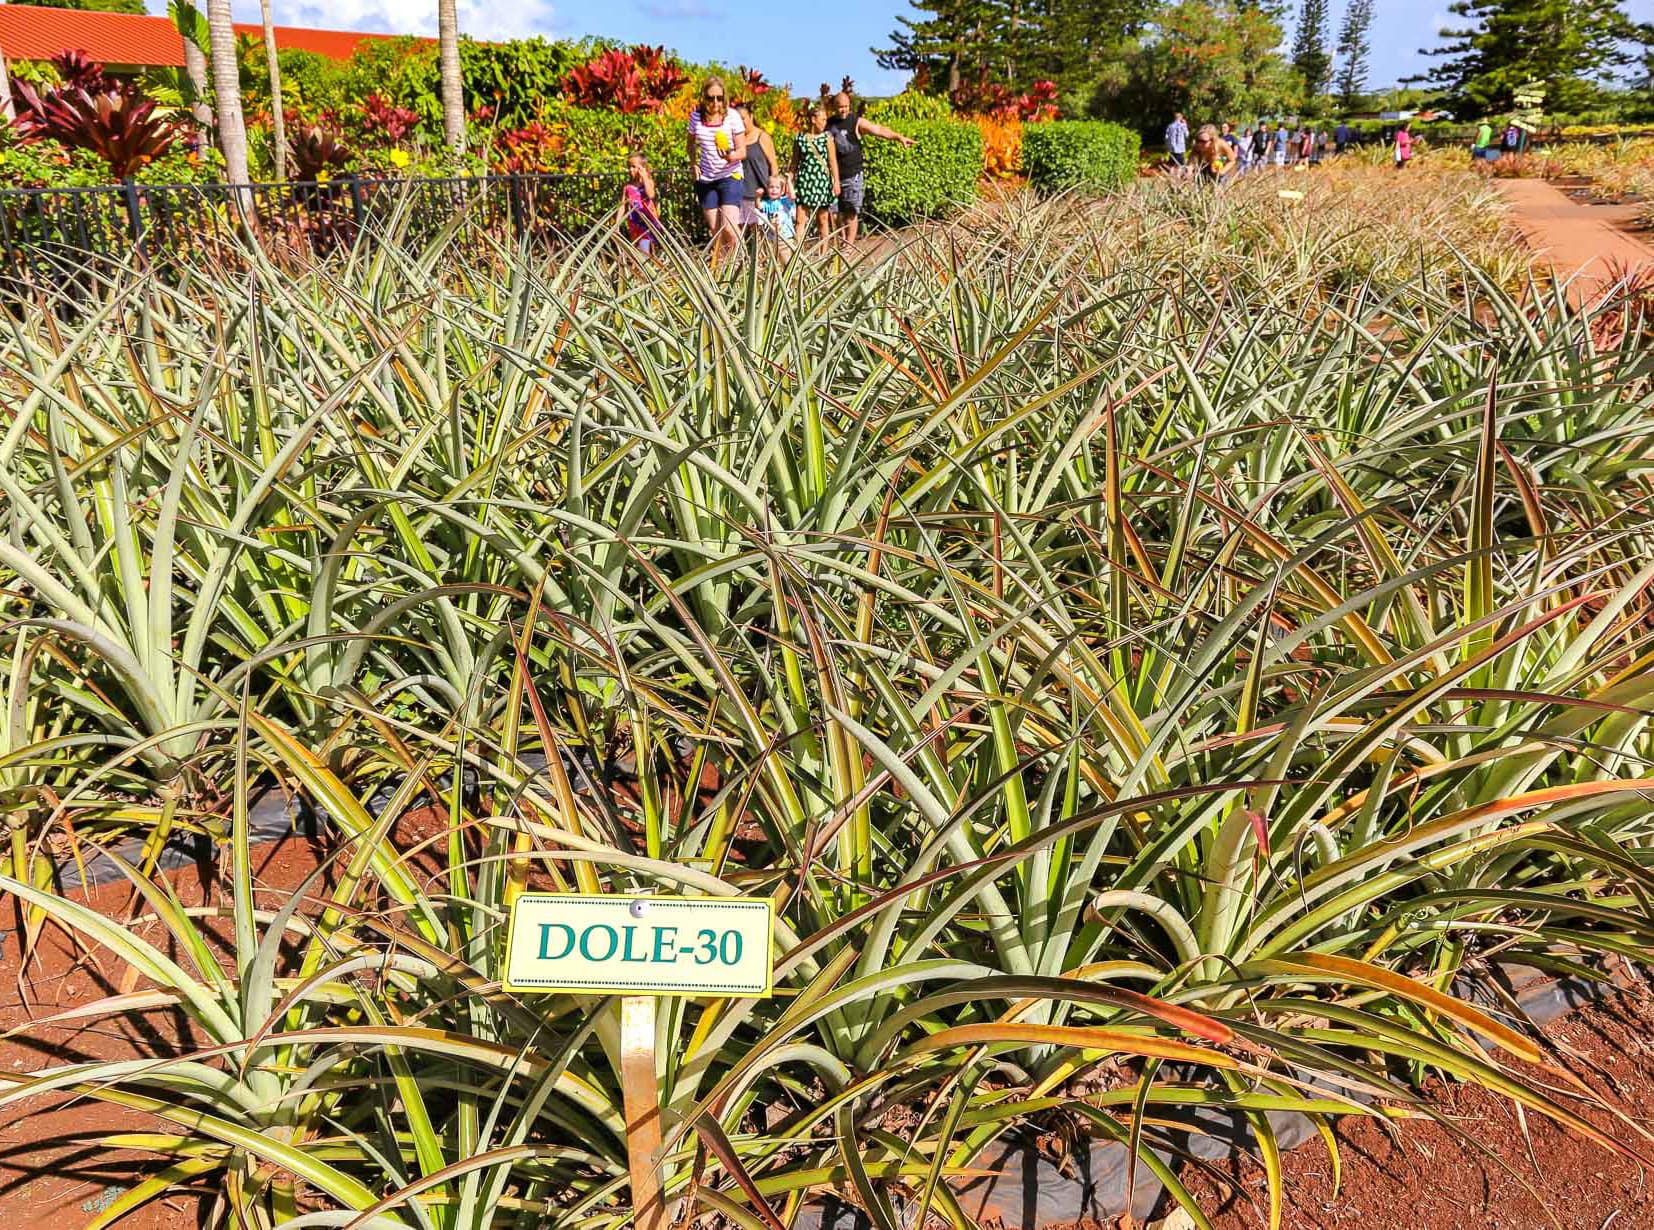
[[707, 947]]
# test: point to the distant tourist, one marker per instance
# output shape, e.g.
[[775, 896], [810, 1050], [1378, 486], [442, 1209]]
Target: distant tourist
[[638, 209], [1260, 145], [1321, 145], [1404, 146], [1306, 145], [815, 175], [1342, 137], [1512, 141], [1481, 150], [1227, 134], [1281, 141], [1177, 138], [757, 168], [847, 128], [718, 152]]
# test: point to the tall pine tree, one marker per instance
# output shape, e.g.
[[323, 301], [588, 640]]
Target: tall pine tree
[[1309, 48], [1573, 46], [949, 43], [1354, 45]]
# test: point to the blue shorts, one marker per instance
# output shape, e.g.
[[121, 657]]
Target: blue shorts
[[716, 193]]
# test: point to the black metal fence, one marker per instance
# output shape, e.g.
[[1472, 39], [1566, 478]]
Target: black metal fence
[[49, 233]]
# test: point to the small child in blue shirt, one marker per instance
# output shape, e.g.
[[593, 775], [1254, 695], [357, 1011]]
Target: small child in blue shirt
[[778, 206]]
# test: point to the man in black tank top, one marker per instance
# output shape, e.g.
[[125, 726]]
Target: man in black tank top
[[847, 128]]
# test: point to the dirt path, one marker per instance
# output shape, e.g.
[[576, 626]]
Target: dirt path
[[1583, 242]]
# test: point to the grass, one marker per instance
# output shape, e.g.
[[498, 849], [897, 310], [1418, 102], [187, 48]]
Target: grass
[[1153, 653]]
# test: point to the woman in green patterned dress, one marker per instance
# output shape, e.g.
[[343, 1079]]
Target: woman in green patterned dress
[[815, 176]]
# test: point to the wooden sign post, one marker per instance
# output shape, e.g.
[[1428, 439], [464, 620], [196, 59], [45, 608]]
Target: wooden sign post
[[640, 948]]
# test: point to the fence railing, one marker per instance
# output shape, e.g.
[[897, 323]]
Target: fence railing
[[49, 232]]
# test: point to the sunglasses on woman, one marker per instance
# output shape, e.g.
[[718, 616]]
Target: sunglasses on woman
[[712, 98]]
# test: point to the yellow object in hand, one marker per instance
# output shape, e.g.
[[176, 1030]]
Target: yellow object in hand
[[721, 140]]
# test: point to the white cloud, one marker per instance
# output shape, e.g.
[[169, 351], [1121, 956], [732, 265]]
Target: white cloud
[[478, 18]]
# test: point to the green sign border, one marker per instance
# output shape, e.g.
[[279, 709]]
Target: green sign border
[[573, 987]]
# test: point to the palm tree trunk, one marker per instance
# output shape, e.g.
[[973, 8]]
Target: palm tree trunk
[[226, 80], [278, 121], [5, 89], [195, 68], [186, 19], [453, 87]]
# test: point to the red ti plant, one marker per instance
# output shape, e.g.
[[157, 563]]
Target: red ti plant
[[92, 111], [318, 149], [641, 79], [381, 118], [120, 128], [753, 84], [1000, 102], [1039, 103]]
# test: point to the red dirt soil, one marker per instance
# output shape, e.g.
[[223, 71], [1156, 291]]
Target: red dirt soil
[[1425, 1179]]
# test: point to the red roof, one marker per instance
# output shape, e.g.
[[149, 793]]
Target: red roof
[[29, 33]]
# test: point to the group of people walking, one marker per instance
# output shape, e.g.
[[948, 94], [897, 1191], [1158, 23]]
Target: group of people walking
[[1487, 147], [1220, 151], [745, 184]]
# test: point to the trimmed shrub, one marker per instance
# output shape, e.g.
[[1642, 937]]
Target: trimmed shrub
[[1078, 154], [909, 105], [938, 174]]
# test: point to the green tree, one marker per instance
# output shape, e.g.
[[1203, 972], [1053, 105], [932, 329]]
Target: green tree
[[1309, 48], [946, 42], [1573, 46], [1354, 45], [1090, 43], [87, 6], [1211, 59]]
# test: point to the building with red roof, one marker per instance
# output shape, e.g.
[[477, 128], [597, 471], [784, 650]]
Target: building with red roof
[[127, 41]]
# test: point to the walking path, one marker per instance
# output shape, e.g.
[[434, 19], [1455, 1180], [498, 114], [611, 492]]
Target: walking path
[[1582, 242]]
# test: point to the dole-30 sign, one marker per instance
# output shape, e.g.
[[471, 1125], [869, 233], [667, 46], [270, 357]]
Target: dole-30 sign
[[621, 945]]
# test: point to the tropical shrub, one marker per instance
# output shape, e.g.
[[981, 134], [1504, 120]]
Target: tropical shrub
[[750, 84], [573, 139], [1038, 103], [318, 150], [909, 105], [45, 163], [1078, 153], [312, 82], [514, 77], [1001, 146], [122, 129], [937, 174], [383, 121], [405, 71], [640, 79]]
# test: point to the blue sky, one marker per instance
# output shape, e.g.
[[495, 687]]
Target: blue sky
[[804, 43]]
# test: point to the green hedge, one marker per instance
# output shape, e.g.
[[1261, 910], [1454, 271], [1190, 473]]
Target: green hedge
[[938, 174], [1078, 153], [908, 105]]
